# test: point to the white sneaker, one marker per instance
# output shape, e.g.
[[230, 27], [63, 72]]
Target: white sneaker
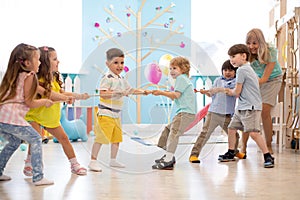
[[114, 163], [95, 166], [5, 178], [43, 182]]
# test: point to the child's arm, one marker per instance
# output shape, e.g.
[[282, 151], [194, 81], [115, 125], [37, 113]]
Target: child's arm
[[136, 92], [108, 94], [55, 96], [169, 94], [34, 103], [212, 91], [77, 96], [236, 91]]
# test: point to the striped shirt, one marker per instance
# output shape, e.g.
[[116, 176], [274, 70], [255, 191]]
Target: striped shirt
[[112, 106], [14, 113]]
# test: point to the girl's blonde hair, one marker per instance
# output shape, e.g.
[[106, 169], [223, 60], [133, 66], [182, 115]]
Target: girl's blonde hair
[[16, 65], [263, 53], [182, 63]]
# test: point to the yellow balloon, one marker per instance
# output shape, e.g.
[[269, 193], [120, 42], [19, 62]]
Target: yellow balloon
[[164, 63]]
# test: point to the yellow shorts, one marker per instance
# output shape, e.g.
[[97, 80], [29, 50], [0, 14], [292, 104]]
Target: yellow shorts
[[107, 130]]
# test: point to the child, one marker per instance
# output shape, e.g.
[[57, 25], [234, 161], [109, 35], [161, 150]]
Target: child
[[184, 99], [220, 110], [50, 86], [247, 114], [263, 59], [17, 92], [112, 89]]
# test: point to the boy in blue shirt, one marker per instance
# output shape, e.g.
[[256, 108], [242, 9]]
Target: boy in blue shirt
[[220, 111]]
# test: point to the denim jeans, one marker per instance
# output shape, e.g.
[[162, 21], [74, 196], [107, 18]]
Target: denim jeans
[[14, 135]]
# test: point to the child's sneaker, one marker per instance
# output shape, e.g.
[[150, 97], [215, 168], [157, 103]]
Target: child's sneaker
[[164, 165], [94, 166], [114, 163], [162, 159], [240, 155], [78, 170], [43, 182], [226, 157], [194, 159], [5, 178], [269, 162], [27, 168]]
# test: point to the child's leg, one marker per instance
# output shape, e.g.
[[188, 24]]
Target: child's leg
[[28, 167], [95, 150], [8, 150], [229, 155], [60, 134], [259, 141], [63, 139], [209, 126], [178, 126], [114, 152], [245, 137], [162, 142], [94, 165], [34, 139], [269, 160]]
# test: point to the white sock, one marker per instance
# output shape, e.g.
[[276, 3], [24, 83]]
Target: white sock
[[169, 156]]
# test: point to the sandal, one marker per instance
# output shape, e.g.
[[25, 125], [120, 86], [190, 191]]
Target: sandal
[[27, 171], [80, 171]]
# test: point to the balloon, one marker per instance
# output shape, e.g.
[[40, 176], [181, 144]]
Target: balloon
[[153, 73], [164, 63]]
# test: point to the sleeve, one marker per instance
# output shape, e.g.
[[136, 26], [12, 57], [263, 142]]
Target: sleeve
[[105, 83], [240, 76], [180, 84], [273, 54]]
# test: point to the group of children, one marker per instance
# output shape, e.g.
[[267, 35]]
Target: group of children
[[32, 89]]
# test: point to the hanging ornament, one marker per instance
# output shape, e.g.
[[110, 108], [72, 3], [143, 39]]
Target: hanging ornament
[[182, 45], [107, 20], [126, 69], [97, 25]]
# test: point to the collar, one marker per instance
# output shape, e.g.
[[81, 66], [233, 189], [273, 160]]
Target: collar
[[111, 74], [226, 79]]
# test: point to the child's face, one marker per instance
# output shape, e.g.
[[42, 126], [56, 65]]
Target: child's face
[[228, 73], [175, 71], [238, 60], [116, 65], [53, 61], [34, 63], [253, 45]]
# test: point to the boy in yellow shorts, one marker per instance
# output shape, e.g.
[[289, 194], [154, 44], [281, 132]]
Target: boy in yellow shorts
[[113, 88]]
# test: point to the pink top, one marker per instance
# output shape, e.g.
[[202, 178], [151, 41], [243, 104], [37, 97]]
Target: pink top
[[14, 113]]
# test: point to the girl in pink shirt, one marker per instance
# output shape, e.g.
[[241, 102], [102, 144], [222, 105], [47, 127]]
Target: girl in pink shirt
[[17, 91]]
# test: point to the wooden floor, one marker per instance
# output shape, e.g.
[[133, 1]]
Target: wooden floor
[[243, 179]]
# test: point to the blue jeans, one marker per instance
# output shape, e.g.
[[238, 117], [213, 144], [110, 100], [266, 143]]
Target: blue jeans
[[14, 135]]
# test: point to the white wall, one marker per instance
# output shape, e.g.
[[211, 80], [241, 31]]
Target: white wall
[[55, 23]]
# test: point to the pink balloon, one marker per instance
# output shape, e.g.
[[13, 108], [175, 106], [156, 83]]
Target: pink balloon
[[153, 73]]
